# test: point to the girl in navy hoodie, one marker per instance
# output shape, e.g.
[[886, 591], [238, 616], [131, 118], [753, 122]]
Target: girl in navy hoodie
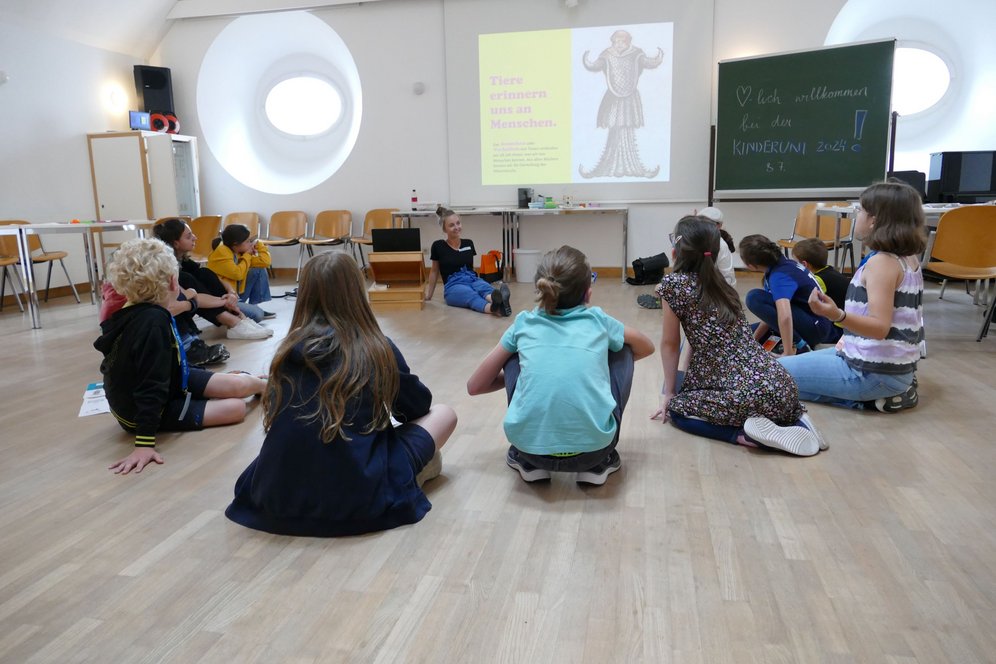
[[332, 462]]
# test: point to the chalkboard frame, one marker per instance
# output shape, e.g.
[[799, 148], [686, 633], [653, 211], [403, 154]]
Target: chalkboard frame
[[803, 123]]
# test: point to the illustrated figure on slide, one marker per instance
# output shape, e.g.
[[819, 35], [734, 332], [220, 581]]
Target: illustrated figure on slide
[[621, 110]]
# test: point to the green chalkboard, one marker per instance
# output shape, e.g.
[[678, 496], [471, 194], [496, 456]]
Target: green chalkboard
[[808, 120]]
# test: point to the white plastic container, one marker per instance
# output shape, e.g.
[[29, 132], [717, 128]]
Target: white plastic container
[[526, 262]]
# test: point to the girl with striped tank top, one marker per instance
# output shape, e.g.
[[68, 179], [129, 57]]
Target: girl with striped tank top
[[874, 364]]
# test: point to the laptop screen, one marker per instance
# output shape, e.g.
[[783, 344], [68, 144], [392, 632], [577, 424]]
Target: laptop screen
[[396, 239]]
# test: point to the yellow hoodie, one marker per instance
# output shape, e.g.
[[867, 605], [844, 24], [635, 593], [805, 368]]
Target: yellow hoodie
[[222, 262]]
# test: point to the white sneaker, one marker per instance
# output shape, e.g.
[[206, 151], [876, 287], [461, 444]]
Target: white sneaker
[[247, 329], [808, 423], [269, 332], [792, 439]]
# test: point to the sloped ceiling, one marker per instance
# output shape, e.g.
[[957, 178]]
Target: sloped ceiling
[[132, 27]]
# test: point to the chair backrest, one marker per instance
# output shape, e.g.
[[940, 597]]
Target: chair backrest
[[287, 224], [334, 224], [967, 236], [807, 222], [205, 229], [377, 218], [8, 243], [248, 219], [34, 242]]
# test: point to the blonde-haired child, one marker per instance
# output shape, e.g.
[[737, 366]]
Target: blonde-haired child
[[149, 385]]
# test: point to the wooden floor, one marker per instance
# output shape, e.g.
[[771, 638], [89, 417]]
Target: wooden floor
[[882, 549]]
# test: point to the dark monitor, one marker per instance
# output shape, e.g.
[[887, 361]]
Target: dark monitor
[[396, 239], [915, 179], [962, 177]]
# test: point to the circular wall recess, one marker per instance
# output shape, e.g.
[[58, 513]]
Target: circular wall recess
[[251, 58]]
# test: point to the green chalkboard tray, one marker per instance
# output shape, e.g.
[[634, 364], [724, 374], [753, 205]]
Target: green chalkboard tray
[[806, 120]]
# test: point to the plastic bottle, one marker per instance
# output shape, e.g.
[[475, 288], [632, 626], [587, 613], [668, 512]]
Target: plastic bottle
[[414, 200]]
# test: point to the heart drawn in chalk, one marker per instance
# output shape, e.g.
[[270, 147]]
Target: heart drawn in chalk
[[743, 94]]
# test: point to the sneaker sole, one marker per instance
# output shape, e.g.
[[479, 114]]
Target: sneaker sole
[[596, 479], [534, 475], [506, 305], [796, 440], [823, 442]]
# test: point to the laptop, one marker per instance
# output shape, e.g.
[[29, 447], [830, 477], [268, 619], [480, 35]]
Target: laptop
[[396, 239]]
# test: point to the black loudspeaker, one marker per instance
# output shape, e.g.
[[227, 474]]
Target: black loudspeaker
[[154, 87]]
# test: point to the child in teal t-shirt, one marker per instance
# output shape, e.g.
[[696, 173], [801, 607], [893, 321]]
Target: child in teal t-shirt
[[567, 372]]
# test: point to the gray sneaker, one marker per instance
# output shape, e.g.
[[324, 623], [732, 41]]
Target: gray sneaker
[[792, 439], [601, 472], [527, 471]]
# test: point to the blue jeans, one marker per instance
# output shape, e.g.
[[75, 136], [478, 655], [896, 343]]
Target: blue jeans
[[724, 432], [257, 287], [465, 289], [620, 382], [824, 377], [251, 311], [814, 330]]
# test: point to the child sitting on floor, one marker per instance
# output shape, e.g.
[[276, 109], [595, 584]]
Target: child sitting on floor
[[733, 390], [567, 369], [332, 463], [783, 303], [241, 262], [149, 385], [812, 254]]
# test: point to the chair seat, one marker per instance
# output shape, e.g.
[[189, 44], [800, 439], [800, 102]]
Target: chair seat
[[47, 256], [280, 241], [955, 271], [361, 240], [324, 241]]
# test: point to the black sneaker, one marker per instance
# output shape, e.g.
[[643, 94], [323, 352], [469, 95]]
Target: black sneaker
[[498, 302], [527, 471], [218, 353], [199, 354], [648, 301], [908, 399], [268, 314], [506, 300], [598, 474]]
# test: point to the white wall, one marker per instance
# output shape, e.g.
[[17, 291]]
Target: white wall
[[53, 100], [55, 95]]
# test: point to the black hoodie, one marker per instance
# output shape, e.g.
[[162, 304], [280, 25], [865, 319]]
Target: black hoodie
[[141, 367]]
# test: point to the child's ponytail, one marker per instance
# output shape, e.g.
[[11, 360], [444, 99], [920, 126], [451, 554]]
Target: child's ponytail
[[562, 279], [696, 247]]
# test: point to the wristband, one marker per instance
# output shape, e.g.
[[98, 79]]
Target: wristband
[[193, 304], [842, 317]]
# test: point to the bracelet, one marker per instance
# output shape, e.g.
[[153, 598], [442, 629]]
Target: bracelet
[[842, 317], [193, 304]]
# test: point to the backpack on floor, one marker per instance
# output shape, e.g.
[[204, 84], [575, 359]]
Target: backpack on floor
[[648, 270], [491, 266]]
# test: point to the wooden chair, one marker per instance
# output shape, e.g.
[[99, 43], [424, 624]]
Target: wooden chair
[[809, 225], [332, 228], [248, 219], [9, 258], [965, 248], [35, 244], [286, 228], [376, 218], [205, 229]]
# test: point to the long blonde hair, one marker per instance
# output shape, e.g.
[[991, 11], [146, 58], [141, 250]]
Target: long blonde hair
[[333, 318]]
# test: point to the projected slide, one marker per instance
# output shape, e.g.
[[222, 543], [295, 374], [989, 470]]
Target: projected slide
[[581, 105]]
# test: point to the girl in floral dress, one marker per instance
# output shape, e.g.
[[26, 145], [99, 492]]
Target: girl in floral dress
[[734, 390]]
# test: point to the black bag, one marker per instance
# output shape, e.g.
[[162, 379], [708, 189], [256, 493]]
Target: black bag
[[648, 270]]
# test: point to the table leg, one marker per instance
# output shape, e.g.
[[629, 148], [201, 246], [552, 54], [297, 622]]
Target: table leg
[[31, 292], [90, 265], [836, 243], [625, 242]]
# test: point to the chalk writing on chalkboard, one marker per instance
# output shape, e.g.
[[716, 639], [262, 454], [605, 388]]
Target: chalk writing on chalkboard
[[809, 120]]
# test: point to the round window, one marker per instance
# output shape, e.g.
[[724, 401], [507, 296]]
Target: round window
[[919, 80], [303, 106]]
